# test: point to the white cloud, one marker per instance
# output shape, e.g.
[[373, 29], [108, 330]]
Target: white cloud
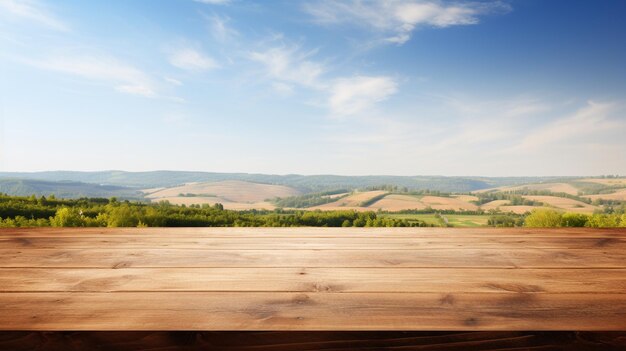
[[470, 118], [214, 2], [291, 65], [125, 78], [191, 60], [591, 120], [436, 14], [220, 29], [395, 20], [32, 11], [173, 81], [481, 138], [353, 95]]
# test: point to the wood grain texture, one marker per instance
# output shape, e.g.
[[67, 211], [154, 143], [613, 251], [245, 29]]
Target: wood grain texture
[[309, 341], [312, 279], [343, 280], [310, 311], [442, 258]]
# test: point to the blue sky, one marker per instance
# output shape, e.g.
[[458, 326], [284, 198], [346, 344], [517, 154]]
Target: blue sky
[[495, 88]]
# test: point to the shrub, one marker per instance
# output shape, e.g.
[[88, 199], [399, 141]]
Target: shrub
[[574, 220], [543, 218], [601, 220]]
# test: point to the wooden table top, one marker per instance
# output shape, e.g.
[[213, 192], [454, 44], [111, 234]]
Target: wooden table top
[[312, 279]]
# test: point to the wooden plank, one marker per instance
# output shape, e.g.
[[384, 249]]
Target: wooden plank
[[317, 232], [312, 279], [445, 258], [313, 341], [346, 280], [310, 311], [300, 243]]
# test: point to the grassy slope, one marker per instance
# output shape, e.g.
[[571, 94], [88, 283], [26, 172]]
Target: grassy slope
[[454, 220]]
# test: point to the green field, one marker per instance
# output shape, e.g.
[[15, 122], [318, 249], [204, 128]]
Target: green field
[[453, 219]]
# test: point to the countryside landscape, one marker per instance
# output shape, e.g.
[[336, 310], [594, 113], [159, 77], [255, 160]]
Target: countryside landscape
[[313, 175], [334, 200]]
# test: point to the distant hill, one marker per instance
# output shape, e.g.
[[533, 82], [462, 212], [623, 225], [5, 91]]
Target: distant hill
[[65, 189], [232, 194], [155, 179], [241, 191]]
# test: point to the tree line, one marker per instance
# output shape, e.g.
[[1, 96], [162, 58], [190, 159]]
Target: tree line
[[550, 218], [95, 212], [310, 200]]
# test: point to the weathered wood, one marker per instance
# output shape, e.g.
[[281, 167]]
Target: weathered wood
[[310, 311], [346, 280], [309, 341]]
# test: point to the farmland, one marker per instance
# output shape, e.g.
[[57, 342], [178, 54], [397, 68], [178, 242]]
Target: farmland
[[97, 212], [578, 195], [583, 195], [398, 202], [619, 195], [353, 201], [551, 187], [569, 205], [233, 194]]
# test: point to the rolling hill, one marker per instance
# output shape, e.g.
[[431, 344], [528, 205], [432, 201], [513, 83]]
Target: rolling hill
[[65, 189], [304, 183], [233, 194], [241, 191], [552, 187]]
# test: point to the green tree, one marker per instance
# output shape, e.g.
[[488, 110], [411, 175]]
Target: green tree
[[67, 217], [121, 215], [543, 218]]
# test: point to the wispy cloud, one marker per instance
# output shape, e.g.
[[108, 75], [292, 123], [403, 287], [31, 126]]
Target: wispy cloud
[[592, 120], [122, 76], [504, 119], [191, 59], [349, 96], [173, 81], [32, 11], [219, 27], [290, 64], [521, 136], [395, 20]]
